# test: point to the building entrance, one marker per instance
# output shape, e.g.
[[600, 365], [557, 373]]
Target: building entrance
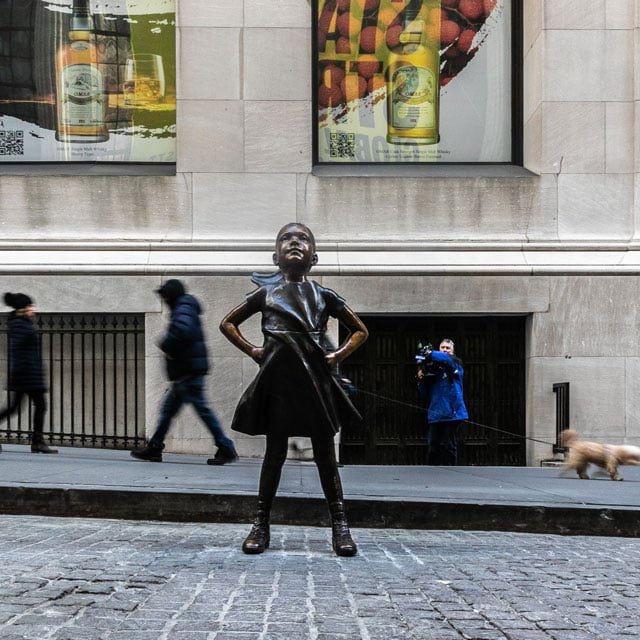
[[492, 351]]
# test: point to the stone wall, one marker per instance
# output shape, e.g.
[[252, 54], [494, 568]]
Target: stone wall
[[244, 145], [244, 169]]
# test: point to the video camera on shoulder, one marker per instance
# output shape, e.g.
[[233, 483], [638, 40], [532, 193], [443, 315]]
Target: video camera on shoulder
[[423, 359]]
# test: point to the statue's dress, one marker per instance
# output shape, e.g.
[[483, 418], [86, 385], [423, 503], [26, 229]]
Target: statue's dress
[[295, 392]]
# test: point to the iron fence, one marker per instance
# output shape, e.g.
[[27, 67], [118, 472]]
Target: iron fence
[[561, 389], [95, 369]]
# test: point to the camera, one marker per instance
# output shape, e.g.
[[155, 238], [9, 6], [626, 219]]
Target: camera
[[423, 359], [428, 366]]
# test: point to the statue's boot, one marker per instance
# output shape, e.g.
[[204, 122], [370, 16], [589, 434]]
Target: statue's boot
[[343, 543], [259, 536]]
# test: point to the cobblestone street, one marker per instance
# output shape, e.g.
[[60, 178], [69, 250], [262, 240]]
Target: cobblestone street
[[73, 579]]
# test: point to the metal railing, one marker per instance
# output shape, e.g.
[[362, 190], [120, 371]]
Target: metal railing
[[561, 389], [94, 365]]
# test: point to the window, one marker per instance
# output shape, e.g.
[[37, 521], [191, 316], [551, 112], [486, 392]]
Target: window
[[87, 81], [416, 81]]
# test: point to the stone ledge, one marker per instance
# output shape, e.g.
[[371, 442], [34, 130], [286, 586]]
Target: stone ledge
[[441, 170], [266, 244], [31, 169], [414, 514], [141, 260]]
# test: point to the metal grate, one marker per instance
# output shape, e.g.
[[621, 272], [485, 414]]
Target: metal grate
[[561, 389], [94, 364]]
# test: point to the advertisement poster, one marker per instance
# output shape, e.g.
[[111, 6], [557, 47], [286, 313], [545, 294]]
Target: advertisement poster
[[413, 81], [87, 81]]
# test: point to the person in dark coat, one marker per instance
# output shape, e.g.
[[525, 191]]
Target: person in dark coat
[[187, 364], [446, 409], [26, 373], [297, 391]]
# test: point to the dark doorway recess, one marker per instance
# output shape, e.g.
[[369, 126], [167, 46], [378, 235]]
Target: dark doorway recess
[[492, 350]]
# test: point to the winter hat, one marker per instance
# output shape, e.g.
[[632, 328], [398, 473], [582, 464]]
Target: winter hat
[[17, 300], [171, 290]]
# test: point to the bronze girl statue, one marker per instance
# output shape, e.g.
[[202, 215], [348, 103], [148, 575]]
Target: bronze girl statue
[[297, 391]]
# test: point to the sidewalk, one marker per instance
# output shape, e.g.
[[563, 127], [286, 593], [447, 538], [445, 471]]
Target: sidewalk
[[110, 484]]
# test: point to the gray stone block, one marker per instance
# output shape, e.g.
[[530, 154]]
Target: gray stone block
[[210, 135], [429, 209], [271, 72], [96, 207], [442, 294], [204, 13], [257, 204], [277, 136], [209, 64]]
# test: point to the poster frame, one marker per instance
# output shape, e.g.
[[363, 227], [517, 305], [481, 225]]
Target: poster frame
[[517, 96], [96, 167]]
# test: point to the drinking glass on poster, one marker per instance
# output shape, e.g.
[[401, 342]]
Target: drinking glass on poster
[[144, 80]]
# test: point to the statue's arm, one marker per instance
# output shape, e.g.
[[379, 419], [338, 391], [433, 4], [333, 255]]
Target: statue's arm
[[230, 329], [358, 334]]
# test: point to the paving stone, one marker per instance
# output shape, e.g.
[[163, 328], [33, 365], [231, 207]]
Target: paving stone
[[141, 624], [557, 625], [96, 587], [133, 635], [245, 627], [522, 634], [74, 633], [573, 635]]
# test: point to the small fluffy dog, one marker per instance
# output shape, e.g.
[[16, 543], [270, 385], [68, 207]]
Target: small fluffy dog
[[607, 456]]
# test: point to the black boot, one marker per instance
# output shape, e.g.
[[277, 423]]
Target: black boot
[[41, 447], [148, 453], [223, 456], [259, 536], [343, 543]]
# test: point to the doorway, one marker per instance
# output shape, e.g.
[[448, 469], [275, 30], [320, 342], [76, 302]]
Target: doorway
[[492, 349]]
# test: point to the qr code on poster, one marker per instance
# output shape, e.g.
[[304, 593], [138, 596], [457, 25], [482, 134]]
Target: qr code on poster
[[11, 143], [342, 145]]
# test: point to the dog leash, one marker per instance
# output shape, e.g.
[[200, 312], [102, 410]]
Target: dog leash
[[477, 424]]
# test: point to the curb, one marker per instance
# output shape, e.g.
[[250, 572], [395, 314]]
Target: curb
[[370, 513]]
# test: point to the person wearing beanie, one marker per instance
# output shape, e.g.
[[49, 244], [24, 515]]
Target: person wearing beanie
[[170, 291], [187, 364], [26, 373]]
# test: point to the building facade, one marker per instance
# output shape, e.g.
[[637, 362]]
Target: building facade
[[556, 243]]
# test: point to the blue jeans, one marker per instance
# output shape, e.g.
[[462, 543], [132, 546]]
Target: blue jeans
[[188, 391], [443, 443]]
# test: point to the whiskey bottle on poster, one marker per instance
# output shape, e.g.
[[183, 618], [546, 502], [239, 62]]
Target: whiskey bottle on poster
[[413, 79], [81, 99]]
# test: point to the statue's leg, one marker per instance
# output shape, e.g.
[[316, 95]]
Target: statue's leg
[[275, 455], [325, 457]]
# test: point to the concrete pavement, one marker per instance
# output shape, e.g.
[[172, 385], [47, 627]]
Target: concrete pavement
[[104, 483]]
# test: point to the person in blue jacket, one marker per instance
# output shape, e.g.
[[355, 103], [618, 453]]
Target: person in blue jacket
[[187, 364], [443, 386]]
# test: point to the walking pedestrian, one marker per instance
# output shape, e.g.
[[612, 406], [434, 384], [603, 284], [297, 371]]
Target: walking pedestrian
[[187, 365], [296, 391], [26, 373]]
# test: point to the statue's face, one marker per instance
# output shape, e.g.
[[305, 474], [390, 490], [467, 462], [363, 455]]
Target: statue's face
[[295, 248]]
